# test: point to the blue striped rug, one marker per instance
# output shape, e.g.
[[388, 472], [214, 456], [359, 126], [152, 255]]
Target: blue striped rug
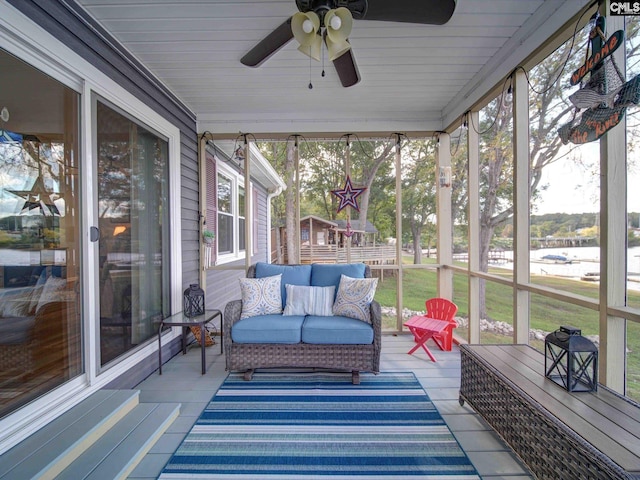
[[320, 426]]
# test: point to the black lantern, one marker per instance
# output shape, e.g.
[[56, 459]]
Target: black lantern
[[193, 301], [571, 360]]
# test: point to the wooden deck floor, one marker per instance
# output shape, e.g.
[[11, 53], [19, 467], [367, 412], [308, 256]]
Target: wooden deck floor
[[182, 382]]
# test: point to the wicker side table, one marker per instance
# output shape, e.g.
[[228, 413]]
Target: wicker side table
[[181, 320], [557, 434]]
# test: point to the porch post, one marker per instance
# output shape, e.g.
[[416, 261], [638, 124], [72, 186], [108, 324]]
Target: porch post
[[521, 208], [399, 286], [445, 222], [347, 168], [473, 149], [296, 157], [202, 183], [248, 221], [613, 245], [310, 240]]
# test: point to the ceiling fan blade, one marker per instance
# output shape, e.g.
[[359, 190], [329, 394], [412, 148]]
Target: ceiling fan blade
[[269, 45], [431, 12], [347, 69]]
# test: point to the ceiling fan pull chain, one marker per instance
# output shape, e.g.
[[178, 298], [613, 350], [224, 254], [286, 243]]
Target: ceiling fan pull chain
[[310, 69], [323, 74]]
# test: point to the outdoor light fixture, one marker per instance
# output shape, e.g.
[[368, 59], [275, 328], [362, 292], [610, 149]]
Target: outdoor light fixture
[[238, 155], [571, 360], [193, 301], [445, 176]]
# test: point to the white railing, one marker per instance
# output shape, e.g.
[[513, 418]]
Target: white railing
[[372, 255]]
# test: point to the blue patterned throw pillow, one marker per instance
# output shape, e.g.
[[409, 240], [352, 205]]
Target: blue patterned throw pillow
[[354, 297], [261, 296]]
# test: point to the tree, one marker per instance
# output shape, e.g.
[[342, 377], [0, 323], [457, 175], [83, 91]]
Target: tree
[[418, 191], [293, 247], [380, 153], [549, 108], [282, 158], [322, 169]]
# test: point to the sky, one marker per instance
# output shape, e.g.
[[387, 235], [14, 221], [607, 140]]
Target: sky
[[572, 187]]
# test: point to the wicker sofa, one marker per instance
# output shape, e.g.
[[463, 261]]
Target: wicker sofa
[[34, 302], [342, 350]]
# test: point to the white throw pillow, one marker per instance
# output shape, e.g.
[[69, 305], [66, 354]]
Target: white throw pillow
[[354, 297], [51, 292], [261, 296], [14, 302], [303, 300]]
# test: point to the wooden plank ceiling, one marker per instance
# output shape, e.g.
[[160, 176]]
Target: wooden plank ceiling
[[415, 78]]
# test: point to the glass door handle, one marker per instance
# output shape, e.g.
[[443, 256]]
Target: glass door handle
[[94, 234]]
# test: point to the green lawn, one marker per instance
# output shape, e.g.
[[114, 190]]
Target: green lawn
[[546, 313]]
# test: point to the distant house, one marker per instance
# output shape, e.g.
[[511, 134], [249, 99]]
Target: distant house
[[315, 230], [318, 231], [327, 240]]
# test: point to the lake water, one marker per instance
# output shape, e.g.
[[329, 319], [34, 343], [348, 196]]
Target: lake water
[[584, 260], [10, 256]]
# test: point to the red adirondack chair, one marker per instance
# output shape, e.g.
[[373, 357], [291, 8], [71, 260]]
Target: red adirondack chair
[[443, 309]]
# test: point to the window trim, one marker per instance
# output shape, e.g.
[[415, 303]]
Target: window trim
[[237, 180]]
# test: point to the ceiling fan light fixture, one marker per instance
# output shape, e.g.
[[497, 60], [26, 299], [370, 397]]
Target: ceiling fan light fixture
[[338, 23], [337, 49], [316, 21], [305, 27], [312, 49]]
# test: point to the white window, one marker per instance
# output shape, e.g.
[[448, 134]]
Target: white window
[[230, 221]]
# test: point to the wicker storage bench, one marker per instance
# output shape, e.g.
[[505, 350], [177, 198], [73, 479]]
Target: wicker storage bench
[[248, 357], [557, 434]]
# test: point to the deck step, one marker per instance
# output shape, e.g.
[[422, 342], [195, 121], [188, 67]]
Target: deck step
[[119, 451], [54, 447]]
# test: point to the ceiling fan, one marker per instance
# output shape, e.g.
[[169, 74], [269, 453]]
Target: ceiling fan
[[330, 21]]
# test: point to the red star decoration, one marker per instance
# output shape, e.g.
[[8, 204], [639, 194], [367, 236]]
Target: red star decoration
[[348, 195]]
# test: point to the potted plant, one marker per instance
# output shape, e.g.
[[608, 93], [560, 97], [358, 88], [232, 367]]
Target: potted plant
[[208, 236]]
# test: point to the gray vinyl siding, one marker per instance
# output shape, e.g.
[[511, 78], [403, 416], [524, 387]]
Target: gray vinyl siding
[[223, 285], [190, 200], [262, 226]]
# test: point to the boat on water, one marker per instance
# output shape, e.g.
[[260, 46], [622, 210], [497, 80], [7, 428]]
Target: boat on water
[[591, 277], [552, 258]]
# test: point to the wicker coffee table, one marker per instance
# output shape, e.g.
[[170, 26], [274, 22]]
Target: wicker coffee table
[[556, 433]]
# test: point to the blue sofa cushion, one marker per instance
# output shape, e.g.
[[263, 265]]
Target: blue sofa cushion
[[336, 330], [268, 329], [324, 275], [291, 275]]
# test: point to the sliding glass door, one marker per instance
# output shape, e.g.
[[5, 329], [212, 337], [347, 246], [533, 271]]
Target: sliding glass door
[[133, 212], [40, 316]]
